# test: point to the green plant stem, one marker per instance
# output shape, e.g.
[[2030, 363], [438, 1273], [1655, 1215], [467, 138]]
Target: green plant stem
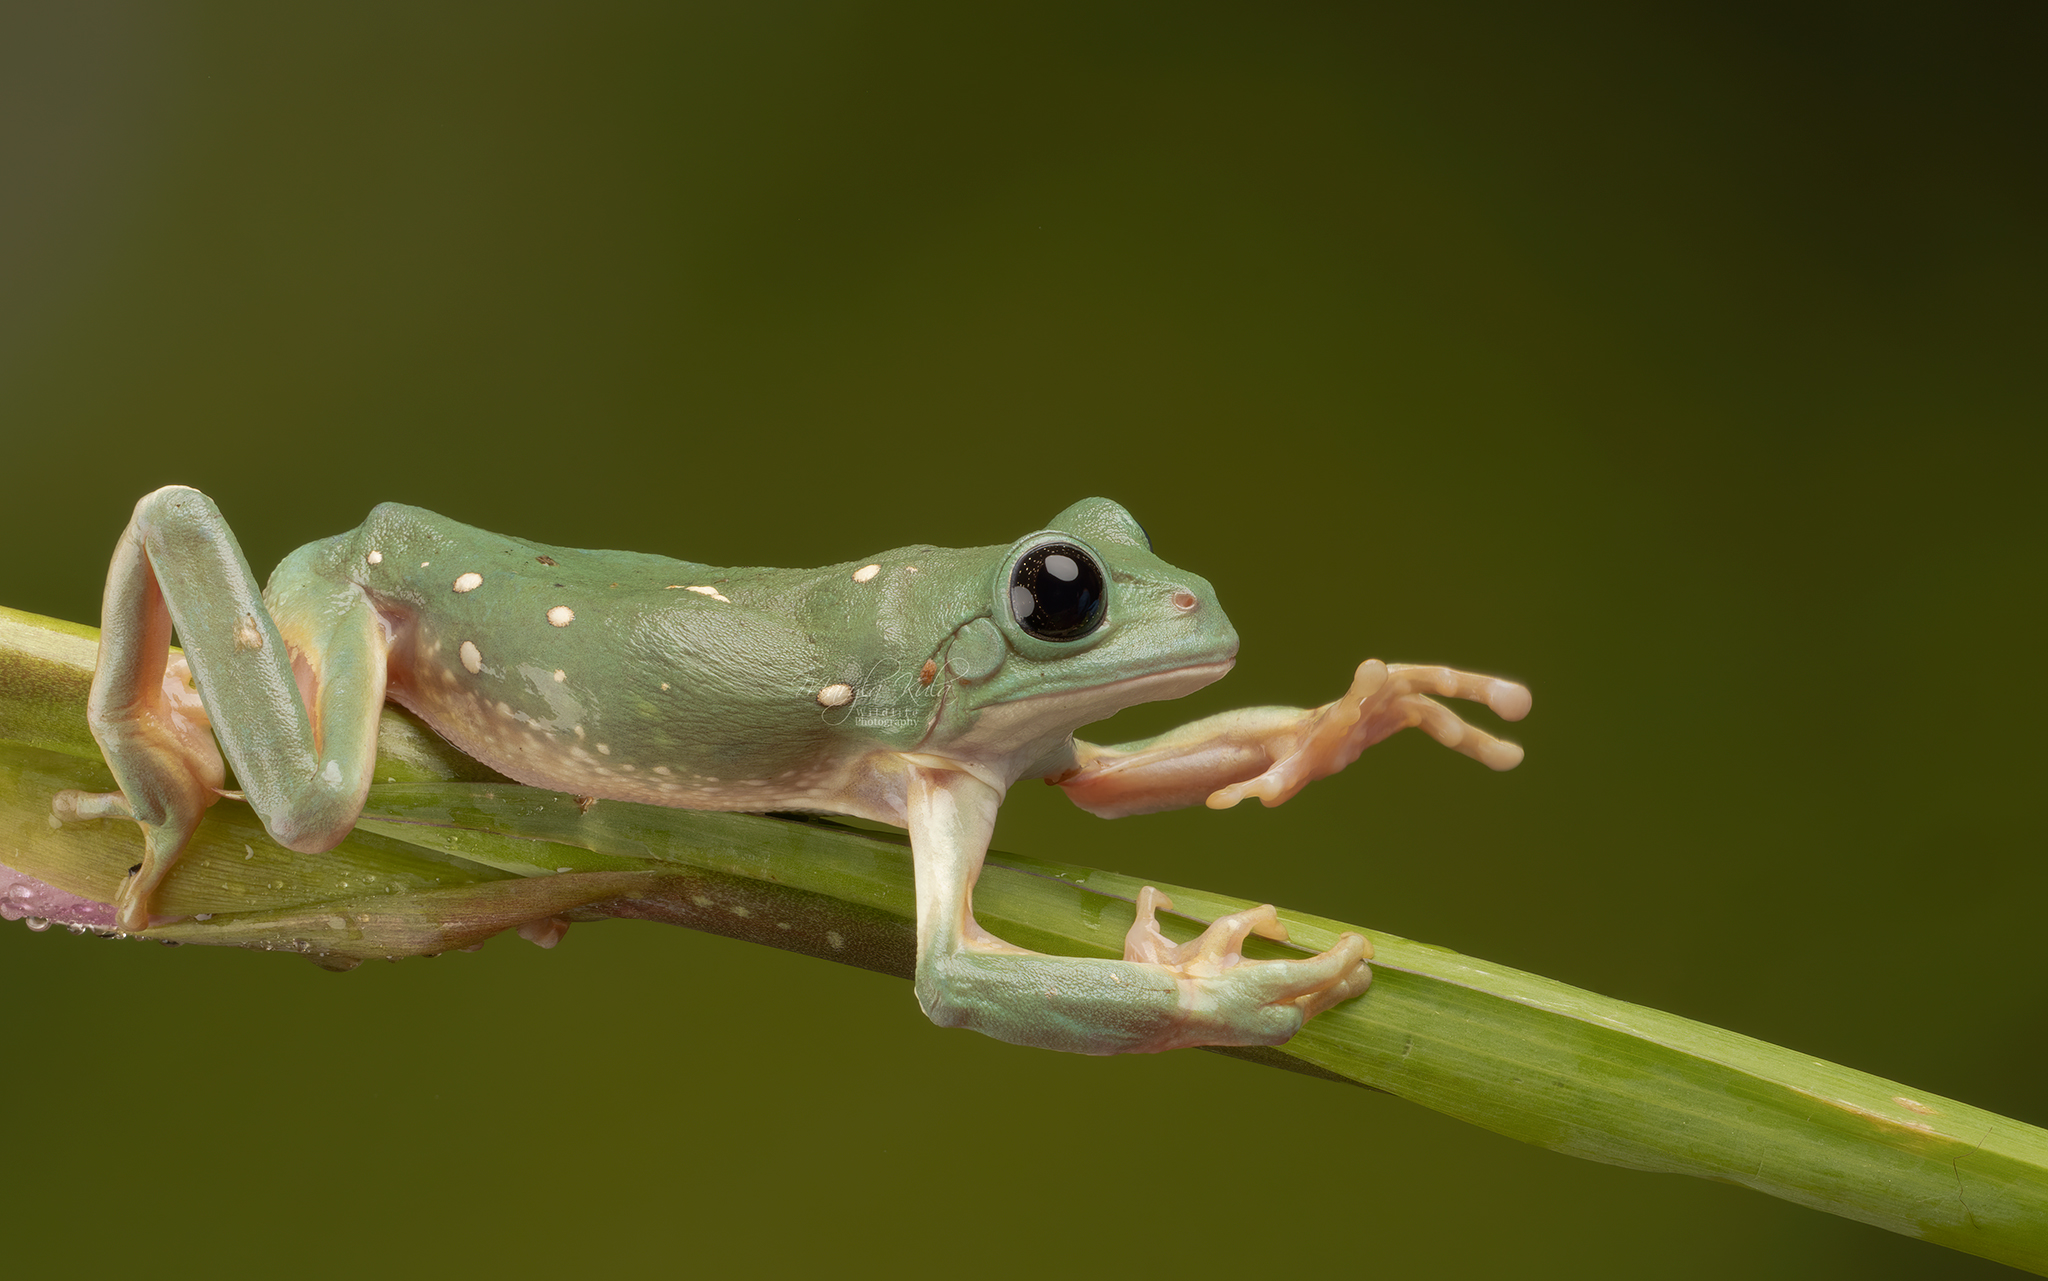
[[446, 856]]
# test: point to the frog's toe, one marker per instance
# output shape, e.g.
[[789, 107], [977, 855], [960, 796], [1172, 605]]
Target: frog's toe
[[1275, 786], [1347, 961], [1217, 949], [74, 806], [1228, 1000], [1444, 725], [1267, 1002], [131, 907], [1312, 984]]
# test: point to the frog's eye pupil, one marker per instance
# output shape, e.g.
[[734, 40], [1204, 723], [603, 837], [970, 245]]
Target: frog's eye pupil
[[1056, 592]]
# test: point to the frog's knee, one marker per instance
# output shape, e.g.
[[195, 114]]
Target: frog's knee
[[178, 520], [169, 502], [309, 831]]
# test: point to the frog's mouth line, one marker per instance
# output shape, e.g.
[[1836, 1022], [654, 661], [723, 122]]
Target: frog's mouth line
[[1182, 680]]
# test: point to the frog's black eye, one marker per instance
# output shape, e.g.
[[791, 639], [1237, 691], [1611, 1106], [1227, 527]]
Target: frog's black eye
[[1056, 592]]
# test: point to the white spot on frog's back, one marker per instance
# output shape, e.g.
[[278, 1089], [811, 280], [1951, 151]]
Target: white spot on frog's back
[[560, 676], [561, 616], [712, 592], [472, 658], [865, 572], [374, 558], [469, 582], [838, 695], [330, 774]]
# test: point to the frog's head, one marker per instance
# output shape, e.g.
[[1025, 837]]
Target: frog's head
[[1083, 620]]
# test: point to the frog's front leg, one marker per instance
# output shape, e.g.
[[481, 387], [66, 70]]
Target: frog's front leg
[[1161, 996], [1274, 752], [178, 565]]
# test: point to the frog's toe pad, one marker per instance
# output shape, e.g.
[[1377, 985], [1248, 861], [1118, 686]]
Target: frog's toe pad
[[1228, 1000]]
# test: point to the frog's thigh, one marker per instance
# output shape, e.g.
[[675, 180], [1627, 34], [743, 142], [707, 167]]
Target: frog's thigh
[[178, 564], [1160, 997]]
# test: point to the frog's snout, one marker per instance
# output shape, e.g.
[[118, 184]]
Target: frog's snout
[[1201, 609]]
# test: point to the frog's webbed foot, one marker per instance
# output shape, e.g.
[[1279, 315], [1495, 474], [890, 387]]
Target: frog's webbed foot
[[161, 736], [1383, 700], [1224, 995], [163, 835]]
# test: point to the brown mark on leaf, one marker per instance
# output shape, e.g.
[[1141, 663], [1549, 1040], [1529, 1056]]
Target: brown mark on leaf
[[1879, 1118]]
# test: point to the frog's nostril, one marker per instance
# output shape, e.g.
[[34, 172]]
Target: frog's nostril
[[1184, 600]]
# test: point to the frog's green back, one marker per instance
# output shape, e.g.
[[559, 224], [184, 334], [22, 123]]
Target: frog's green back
[[639, 676]]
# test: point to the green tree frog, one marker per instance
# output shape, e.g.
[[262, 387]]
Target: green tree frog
[[912, 687]]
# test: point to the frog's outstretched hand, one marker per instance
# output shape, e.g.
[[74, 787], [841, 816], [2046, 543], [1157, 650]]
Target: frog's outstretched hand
[[1274, 752]]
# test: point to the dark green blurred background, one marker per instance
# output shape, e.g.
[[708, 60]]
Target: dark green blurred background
[[1685, 363]]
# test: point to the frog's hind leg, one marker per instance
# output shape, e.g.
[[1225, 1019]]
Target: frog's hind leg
[[305, 772]]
